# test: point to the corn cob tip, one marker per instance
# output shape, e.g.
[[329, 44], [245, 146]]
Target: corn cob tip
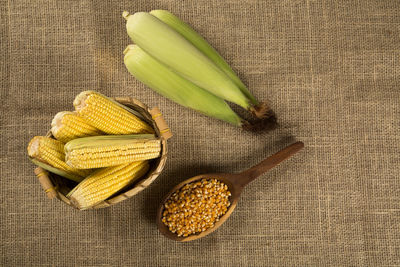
[[125, 14], [79, 101], [129, 47], [57, 120], [33, 147]]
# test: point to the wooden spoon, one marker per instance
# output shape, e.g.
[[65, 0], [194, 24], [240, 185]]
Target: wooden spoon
[[235, 182]]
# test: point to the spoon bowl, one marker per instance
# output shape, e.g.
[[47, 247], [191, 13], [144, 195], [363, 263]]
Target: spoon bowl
[[235, 182]]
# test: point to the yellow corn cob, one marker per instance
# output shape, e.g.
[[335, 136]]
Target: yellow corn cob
[[111, 150], [68, 125], [107, 115], [104, 183], [50, 151]]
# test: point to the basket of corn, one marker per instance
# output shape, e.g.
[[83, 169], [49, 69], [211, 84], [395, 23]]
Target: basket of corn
[[104, 152]]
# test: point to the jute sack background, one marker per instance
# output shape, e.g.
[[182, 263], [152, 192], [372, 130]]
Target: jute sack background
[[330, 70]]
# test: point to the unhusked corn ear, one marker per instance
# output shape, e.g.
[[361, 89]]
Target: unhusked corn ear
[[50, 151], [104, 183], [108, 116], [172, 49], [200, 43], [68, 125], [166, 82], [111, 150]]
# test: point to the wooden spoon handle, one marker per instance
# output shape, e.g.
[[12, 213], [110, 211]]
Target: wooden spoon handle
[[268, 163]]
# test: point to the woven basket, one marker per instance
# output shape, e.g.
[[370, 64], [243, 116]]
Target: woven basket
[[57, 187]]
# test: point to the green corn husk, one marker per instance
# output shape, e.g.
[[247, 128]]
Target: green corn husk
[[178, 89], [57, 171], [105, 140], [200, 43], [170, 48]]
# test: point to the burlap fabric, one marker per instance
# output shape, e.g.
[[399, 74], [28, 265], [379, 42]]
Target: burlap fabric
[[330, 70]]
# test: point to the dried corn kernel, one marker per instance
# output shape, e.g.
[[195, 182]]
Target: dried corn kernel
[[196, 207]]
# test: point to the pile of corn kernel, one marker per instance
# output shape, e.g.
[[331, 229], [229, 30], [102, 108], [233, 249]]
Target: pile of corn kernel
[[196, 207]]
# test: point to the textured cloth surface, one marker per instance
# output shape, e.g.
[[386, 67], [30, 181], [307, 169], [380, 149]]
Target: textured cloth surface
[[330, 70]]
